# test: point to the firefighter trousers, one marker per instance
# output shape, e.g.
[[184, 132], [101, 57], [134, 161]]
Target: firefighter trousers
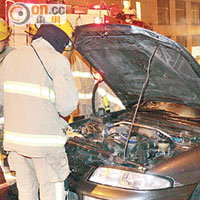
[[33, 174]]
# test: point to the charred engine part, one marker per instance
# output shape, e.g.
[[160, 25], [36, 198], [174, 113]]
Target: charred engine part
[[150, 132], [163, 146], [144, 149], [103, 142]]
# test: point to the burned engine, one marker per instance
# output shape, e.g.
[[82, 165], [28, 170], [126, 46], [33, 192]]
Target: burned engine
[[102, 140]]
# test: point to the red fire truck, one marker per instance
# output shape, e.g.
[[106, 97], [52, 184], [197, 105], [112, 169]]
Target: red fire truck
[[98, 14]]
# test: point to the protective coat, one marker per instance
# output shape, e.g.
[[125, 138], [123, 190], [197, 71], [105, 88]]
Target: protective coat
[[32, 102], [2, 179], [85, 83], [8, 49], [3, 55]]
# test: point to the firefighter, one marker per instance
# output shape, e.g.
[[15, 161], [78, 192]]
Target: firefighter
[[85, 82], [37, 85], [5, 49], [5, 32], [31, 31]]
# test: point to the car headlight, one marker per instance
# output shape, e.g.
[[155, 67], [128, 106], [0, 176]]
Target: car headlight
[[128, 179]]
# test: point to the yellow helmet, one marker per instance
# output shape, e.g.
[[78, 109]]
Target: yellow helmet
[[5, 30], [67, 28], [32, 29]]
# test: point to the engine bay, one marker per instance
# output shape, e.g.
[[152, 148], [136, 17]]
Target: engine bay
[[156, 137]]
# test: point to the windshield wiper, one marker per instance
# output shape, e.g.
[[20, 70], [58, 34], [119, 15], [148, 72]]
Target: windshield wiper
[[145, 84]]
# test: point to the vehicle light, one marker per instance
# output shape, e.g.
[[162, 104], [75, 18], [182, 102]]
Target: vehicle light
[[138, 9], [97, 76], [130, 180], [107, 21], [99, 7], [98, 20], [126, 4], [96, 7]]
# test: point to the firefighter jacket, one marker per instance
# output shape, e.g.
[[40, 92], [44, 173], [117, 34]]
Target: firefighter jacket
[[85, 83], [32, 101], [8, 49]]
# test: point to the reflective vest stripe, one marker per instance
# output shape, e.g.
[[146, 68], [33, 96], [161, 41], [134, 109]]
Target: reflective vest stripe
[[2, 120], [59, 190], [78, 74], [85, 96], [111, 98], [29, 89], [102, 93], [34, 140]]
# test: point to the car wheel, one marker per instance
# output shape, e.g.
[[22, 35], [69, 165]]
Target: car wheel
[[196, 193]]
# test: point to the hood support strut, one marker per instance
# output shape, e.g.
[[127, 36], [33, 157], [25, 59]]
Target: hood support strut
[[145, 84]]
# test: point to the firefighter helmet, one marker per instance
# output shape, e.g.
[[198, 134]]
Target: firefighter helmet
[[67, 28], [5, 30], [32, 29]]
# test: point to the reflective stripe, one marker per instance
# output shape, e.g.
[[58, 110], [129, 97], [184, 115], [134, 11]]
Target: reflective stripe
[[102, 93], [59, 190], [85, 96], [29, 89], [2, 120], [111, 98], [78, 74], [34, 140]]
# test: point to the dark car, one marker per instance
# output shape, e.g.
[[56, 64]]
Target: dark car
[[150, 150]]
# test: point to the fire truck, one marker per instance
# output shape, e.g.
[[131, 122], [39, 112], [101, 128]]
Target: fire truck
[[99, 14]]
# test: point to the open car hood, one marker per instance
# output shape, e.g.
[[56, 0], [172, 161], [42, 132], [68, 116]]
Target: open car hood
[[121, 53]]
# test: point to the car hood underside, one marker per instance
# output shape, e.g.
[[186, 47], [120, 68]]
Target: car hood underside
[[121, 54]]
